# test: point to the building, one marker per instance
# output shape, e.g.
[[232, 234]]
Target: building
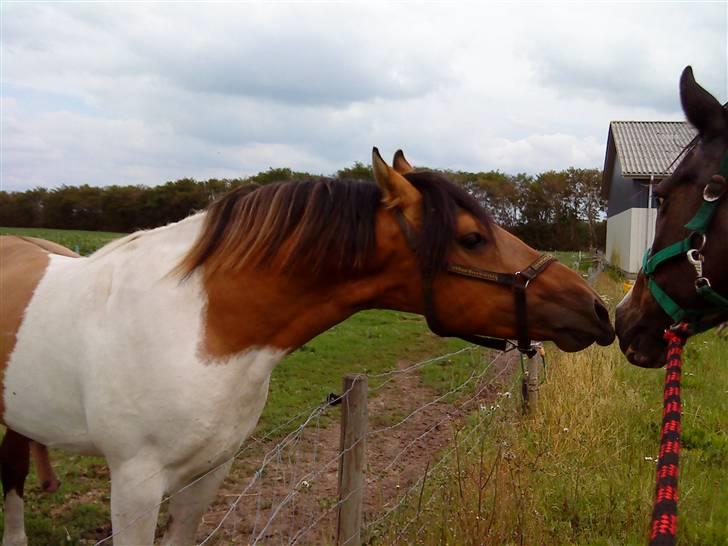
[[639, 155]]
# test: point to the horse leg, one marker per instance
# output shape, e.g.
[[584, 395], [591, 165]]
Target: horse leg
[[187, 507], [46, 476], [14, 464], [137, 486]]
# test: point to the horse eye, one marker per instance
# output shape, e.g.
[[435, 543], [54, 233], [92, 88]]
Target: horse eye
[[660, 200], [471, 241]]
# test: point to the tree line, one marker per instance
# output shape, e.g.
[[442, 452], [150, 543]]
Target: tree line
[[554, 210]]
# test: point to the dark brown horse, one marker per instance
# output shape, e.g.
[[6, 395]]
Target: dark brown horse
[[685, 274]]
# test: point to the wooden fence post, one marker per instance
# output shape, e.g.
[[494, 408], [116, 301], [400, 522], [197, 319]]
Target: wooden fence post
[[354, 414], [532, 380]]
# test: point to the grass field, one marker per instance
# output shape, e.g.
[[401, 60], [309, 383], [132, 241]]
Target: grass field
[[83, 242], [582, 469], [579, 471]]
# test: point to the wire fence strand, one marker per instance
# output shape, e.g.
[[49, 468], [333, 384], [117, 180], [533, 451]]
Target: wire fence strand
[[286, 454]]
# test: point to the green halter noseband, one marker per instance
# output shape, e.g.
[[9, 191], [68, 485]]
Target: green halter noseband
[[702, 319]]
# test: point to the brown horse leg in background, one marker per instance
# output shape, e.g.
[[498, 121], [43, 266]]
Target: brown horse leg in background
[[46, 476], [14, 464], [15, 452]]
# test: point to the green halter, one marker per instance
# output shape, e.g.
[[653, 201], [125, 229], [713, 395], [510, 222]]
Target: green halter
[[698, 319]]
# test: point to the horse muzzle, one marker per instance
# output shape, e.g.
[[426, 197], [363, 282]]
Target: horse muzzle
[[592, 325], [640, 339]]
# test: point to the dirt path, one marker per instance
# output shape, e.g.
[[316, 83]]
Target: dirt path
[[295, 498]]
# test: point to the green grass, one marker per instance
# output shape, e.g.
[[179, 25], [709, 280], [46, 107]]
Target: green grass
[[83, 242], [574, 260], [581, 470], [370, 342]]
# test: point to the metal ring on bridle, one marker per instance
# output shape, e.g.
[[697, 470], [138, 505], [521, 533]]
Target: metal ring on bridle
[[519, 274], [694, 256], [710, 197], [700, 282], [703, 240]]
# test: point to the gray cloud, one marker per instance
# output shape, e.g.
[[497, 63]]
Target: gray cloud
[[632, 59], [129, 93]]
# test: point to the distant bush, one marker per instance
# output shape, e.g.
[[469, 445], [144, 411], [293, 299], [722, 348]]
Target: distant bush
[[554, 210]]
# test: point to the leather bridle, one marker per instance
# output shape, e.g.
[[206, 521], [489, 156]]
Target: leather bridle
[[517, 282]]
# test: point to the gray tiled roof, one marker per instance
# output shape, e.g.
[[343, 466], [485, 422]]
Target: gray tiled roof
[[649, 147]]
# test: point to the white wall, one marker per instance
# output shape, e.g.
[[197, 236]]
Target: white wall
[[629, 233]]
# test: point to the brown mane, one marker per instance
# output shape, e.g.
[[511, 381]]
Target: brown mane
[[324, 224]]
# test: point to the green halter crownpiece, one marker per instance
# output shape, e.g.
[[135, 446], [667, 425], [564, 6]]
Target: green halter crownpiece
[[699, 319]]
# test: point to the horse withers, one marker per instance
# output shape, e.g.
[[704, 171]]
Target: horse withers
[[179, 328], [685, 274]]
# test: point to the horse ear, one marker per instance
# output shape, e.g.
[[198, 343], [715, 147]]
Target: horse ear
[[400, 164], [700, 107], [397, 191]]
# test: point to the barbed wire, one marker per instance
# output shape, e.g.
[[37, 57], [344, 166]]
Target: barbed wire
[[266, 460], [472, 376], [313, 475], [393, 374], [287, 439], [292, 439], [443, 459]]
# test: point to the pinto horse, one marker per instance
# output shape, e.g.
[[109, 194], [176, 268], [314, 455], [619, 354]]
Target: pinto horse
[[685, 275], [156, 351]]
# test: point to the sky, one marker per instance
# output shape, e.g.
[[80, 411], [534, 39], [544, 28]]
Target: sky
[[142, 93]]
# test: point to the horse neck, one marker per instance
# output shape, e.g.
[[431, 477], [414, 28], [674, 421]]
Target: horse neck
[[264, 308], [161, 248]]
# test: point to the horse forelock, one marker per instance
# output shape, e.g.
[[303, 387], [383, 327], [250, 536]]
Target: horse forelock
[[319, 225], [441, 200]]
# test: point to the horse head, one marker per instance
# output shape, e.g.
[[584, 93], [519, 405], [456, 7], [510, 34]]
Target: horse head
[[470, 277], [686, 271], [312, 253]]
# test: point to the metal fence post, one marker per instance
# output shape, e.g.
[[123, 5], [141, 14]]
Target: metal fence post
[[354, 414]]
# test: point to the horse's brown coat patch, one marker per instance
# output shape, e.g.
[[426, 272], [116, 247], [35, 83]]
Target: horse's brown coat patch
[[23, 262]]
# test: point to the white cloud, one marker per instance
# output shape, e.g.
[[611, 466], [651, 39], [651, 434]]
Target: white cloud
[[131, 93]]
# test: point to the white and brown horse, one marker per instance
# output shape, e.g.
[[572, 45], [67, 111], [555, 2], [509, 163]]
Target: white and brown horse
[[156, 351]]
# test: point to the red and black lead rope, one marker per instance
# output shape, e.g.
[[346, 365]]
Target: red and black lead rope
[[664, 512]]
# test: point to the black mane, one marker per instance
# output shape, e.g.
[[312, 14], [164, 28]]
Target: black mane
[[320, 224]]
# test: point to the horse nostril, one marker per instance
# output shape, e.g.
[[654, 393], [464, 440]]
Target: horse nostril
[[601, 311]]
